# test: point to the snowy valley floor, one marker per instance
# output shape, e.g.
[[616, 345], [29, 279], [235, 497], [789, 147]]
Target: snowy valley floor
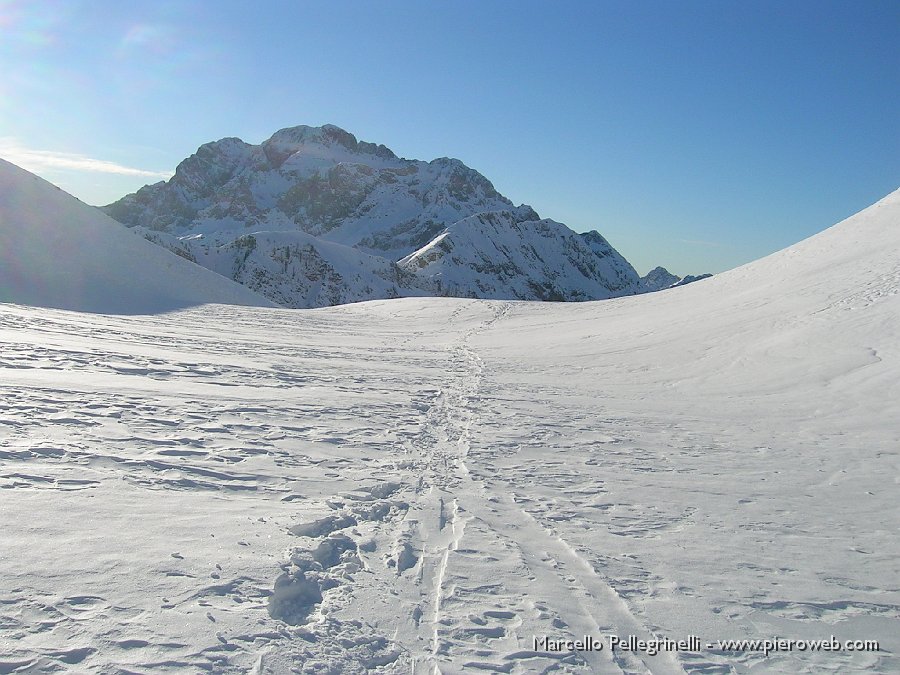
[[430, 484]]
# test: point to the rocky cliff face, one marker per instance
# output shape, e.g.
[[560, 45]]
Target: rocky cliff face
[[314, 217], [515, 254], [657, 279], [295, 269]]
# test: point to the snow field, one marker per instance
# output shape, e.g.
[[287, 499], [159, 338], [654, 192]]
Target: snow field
[[426, 485]]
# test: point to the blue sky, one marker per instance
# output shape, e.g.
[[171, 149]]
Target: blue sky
[[695, 135]]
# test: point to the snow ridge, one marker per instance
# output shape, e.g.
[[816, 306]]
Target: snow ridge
[[56, 251]]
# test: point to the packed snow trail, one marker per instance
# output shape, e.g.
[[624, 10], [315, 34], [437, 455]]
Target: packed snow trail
[[445, 480]]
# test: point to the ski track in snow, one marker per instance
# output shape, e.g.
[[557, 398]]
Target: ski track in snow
[[445, 448]]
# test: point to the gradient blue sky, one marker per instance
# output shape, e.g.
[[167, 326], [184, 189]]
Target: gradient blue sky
[[696, 135]]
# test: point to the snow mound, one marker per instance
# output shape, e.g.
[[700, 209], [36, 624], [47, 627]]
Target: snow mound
[[56, 251]]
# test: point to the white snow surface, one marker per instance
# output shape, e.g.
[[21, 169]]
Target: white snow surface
[[426, 485], [56, 251]]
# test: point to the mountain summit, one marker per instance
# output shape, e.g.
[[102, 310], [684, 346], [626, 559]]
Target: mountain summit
[[313, 217]]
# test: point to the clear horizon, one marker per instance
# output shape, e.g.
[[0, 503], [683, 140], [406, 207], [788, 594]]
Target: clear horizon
[[697, 137]]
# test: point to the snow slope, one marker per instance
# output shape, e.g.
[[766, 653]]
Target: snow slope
[[427, 484], [58, 252]]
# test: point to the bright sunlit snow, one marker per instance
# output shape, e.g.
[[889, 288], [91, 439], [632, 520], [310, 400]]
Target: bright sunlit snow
[[56, 251], [429, 485]]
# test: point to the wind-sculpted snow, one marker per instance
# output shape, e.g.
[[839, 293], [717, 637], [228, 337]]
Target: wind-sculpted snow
[[431, 484], [57, 252]]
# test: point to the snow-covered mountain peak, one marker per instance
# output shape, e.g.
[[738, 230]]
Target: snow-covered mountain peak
[[326, 141], [658, 279], [303, 134], [325, 182], [213, 165]]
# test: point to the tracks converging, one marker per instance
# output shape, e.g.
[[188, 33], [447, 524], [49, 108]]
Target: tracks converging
[[587, 604], [473, 577]]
